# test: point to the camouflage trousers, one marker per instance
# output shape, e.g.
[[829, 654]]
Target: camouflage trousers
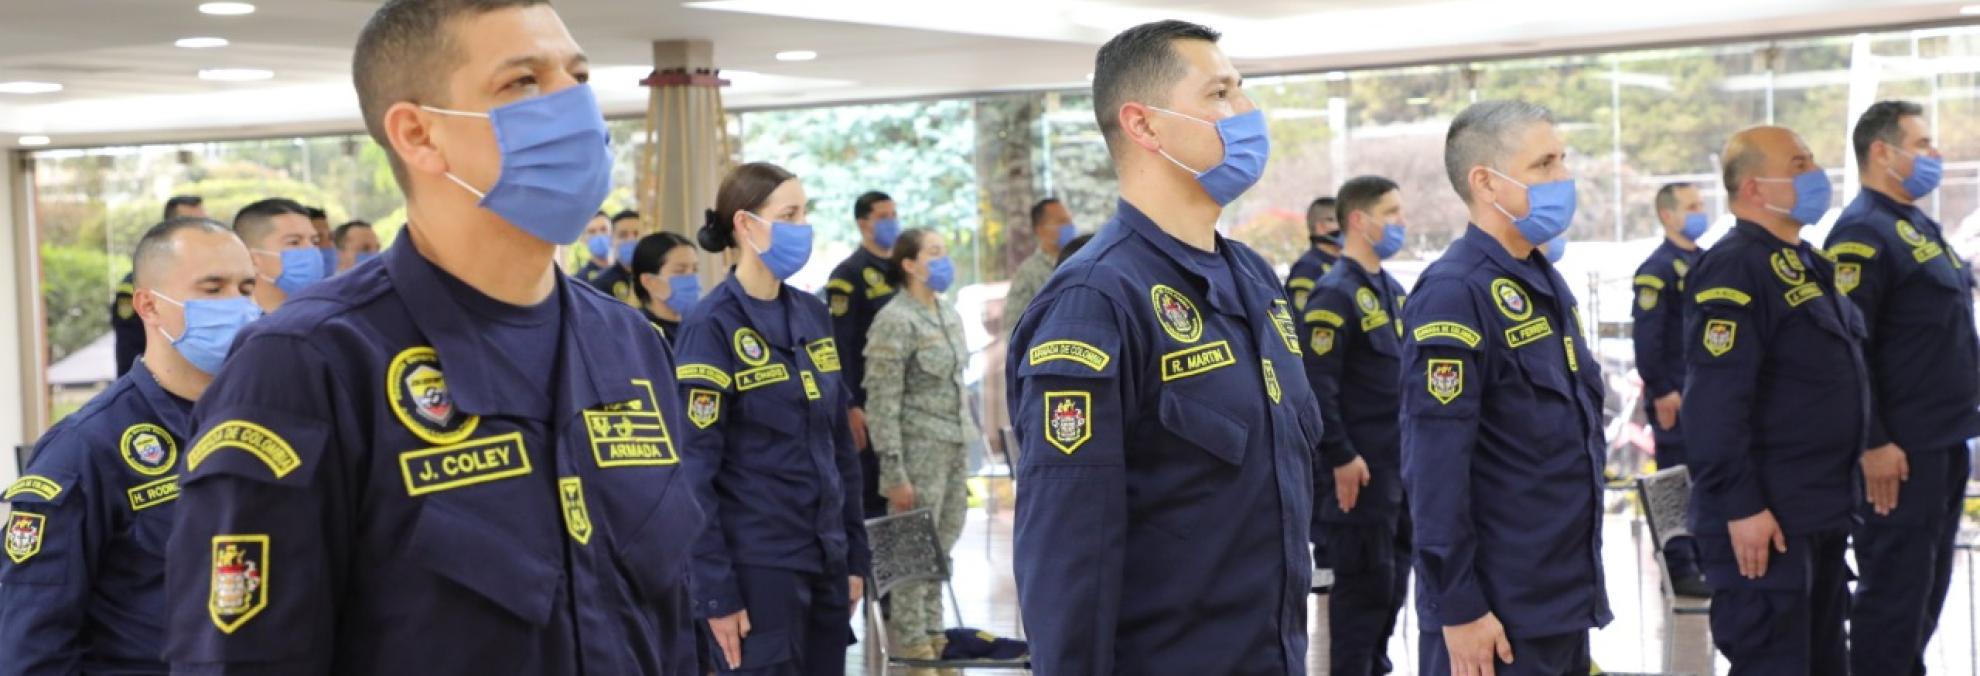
[[935, 470]]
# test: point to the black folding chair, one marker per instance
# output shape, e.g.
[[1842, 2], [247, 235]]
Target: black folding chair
[[907, 550], [1666, 498]]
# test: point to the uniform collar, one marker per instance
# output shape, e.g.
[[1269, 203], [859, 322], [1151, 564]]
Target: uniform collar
[[1534, 273], [475, 380], [1671, 247], [1909, 212], [1761, 234], [761, 313], [1185, 257], [171, 411]]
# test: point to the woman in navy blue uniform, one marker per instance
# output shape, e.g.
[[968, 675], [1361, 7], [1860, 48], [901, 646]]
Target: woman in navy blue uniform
[[770, 446], [666, 275]]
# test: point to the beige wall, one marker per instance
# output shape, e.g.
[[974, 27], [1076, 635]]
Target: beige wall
[[20, 361]]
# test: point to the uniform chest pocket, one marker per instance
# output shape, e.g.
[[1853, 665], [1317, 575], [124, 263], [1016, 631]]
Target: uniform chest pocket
[[486, 557], [1544, 365], [1384, 341], [935, 358], [655, 556], [778, 408], [1202, 424]]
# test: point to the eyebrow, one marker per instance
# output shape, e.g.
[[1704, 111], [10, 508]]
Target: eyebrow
[[534, 61]]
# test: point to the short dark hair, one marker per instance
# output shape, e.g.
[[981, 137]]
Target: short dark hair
[[337, 236], [1361, 192], [1038, 210], [908, 246], [623, 215], [172, 205], [405, 53], [863, 207], [252, 222], [1321, 205], [1667, 196], [1137, 66], [317, 214], [153, 247], [746, 188], [1077, 243], [651, 253], [1880, 123]]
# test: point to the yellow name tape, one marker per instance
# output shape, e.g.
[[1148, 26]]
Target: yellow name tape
[[760, 376], [1196, 360], [149, 495], [479, 461]]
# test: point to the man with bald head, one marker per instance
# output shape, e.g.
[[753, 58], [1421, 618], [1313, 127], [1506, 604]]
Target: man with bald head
[[1502, 442], [279, 234], [1774, 410], [82, 588]]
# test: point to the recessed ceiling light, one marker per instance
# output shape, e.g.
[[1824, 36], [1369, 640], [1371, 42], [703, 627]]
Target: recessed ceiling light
[[201, 43], [235, 74], [226, 8], [1336, 75], [1089, 77], [797, 55], [35, 140], [1970, 10], [29, 87]]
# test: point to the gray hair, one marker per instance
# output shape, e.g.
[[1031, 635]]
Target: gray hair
[[1482, 135]]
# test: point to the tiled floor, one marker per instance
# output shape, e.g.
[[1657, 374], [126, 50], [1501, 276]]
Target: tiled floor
[[1635, 642]]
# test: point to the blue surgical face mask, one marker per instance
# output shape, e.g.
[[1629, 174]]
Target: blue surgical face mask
[[210, 329], [300, 268], [1695, 224], [886, 231], [626, 249], [556, 163], [1926, 171], [1246, 148], [600, 245], [683, 293], [941, 273], [329, 261], [1391, 241], [1549, 209], [1811, 196], [790, 247], [1067, 233], [1555, 249]]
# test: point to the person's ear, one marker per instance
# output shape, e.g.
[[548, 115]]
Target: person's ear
[[654, 285], [1481, 185], [740, 227], [144, 302], [407, 129], [1134, 119]]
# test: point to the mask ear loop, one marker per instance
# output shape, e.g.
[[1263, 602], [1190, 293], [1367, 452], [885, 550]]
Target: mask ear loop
[[478, 194], [1165, 153]]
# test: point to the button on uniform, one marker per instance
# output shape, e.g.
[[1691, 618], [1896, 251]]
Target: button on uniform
[[82, 587], [1167, 434], [1774, 408], [1502, 446], [375, 490]]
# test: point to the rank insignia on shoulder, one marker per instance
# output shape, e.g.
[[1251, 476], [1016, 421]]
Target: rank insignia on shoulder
[[1067, 425], [1719, 336], [149, 449], [240, 580], [24, 535], [1176, 314], [417, 391], [1445, 379]]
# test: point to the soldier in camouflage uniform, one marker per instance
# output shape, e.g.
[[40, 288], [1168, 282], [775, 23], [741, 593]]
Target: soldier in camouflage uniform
[[1052, 224], [915, 415]]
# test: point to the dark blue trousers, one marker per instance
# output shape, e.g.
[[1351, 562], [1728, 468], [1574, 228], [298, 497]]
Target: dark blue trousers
[[1790, 621], [799, 623], [1562, 655], [1907, 563], [1371, 579]]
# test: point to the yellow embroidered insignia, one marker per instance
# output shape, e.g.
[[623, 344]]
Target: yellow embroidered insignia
[[1067, 426], [1283, 321], [1323, 340], [750, 348], [631, 433], [1177, 314], [1445, 379], [149, 449], [704, 407], [577, 519], [24, 534], [1511, 299], [449, 467], [1719, 335], [419, 397], [1271, 382], [271, 449], [240, 580], [1787, 266], [1848, 276], [1646, 298]]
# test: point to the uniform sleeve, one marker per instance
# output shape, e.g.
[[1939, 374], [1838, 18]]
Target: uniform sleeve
[[1443, 379], [1328, 338], [704, 376], [888, 347], [851, 318], [254, 568], [1650, 309], [1867, 278], [45, 577], [852, 510], [1067, 407], [1725, 347], [127, 326]]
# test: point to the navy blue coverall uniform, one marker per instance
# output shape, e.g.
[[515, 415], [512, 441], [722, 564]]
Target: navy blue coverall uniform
[[1657, 326], [1916, 295], [773, 466], [82, 588], [1502, 452], [1168, 435], [855, 293], [1774, 408], [124, 322], [1306, 273], [1353, 329], [387, 482]]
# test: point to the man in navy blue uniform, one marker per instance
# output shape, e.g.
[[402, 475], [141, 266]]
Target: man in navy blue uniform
[[1916, 295], [854, 295], [1167, 427], [1774, 407], [123, 316], [1323, 228], [456, 461], [1657, 326], [1502, 441], [617, 278], [1353, 328], [82, 588]]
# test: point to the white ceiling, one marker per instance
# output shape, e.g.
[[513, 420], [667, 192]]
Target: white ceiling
[[126, 82]]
